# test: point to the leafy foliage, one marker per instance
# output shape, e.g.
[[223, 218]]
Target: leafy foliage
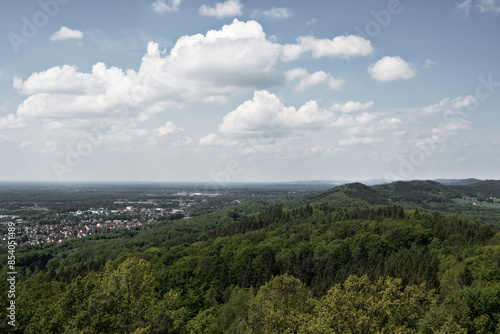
[[310, 268]]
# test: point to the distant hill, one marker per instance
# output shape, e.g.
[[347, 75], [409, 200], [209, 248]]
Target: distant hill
[[483, 188], [350, 195], [431, 195], [425, 194], [458, 182], [428, 194]]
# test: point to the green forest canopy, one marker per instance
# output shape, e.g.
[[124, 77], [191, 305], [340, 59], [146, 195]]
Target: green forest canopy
[[316, 267]]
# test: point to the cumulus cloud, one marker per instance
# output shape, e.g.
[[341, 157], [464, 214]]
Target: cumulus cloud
[[309, 80], [351, 106], [168, 128], [338, 47], [212, 139], [199, 69], [160, 6], [391, 69], [66, 33], [270, 126], [265, 112], [11, 121], [230, 8], [265, 125], [274, 12], [60, 80]]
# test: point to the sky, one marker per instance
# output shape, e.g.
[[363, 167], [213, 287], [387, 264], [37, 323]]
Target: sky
[[249, 91]]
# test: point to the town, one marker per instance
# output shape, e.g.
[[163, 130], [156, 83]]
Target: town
[[55, 214], [82, 223]]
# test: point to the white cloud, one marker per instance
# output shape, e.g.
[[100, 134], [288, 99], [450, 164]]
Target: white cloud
[[4, 139], [391, 69], [443, 131], [465, 6], [488, 6], [66, 33], [365, 124], [212, 139], [339, 47], [169, 128], [309, 80], [265, 113], [230, 8], [450, 106], [389, 123], [358, 140], [129, 139], [274, 12], [351, 106], [481, 6], [50, 147], [11, 121], [452, 126], [160, 6], [199, 69], [354, 121], [60, 80], [265, 125], [428, 63]]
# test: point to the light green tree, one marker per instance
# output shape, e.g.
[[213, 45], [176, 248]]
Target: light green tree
[[282, 305], [360, 306]]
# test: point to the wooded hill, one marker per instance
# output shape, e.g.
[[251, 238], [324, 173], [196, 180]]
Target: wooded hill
[[353, 259]]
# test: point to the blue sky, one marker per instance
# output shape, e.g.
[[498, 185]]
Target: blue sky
[[238, 90]]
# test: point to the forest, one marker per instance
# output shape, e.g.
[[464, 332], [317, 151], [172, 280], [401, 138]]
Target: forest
[[395, 258]]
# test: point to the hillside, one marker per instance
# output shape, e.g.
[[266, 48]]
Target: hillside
[[426, 194], [457, 182], [485, 188], [429, 195], [352, 195], [266, 270]]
